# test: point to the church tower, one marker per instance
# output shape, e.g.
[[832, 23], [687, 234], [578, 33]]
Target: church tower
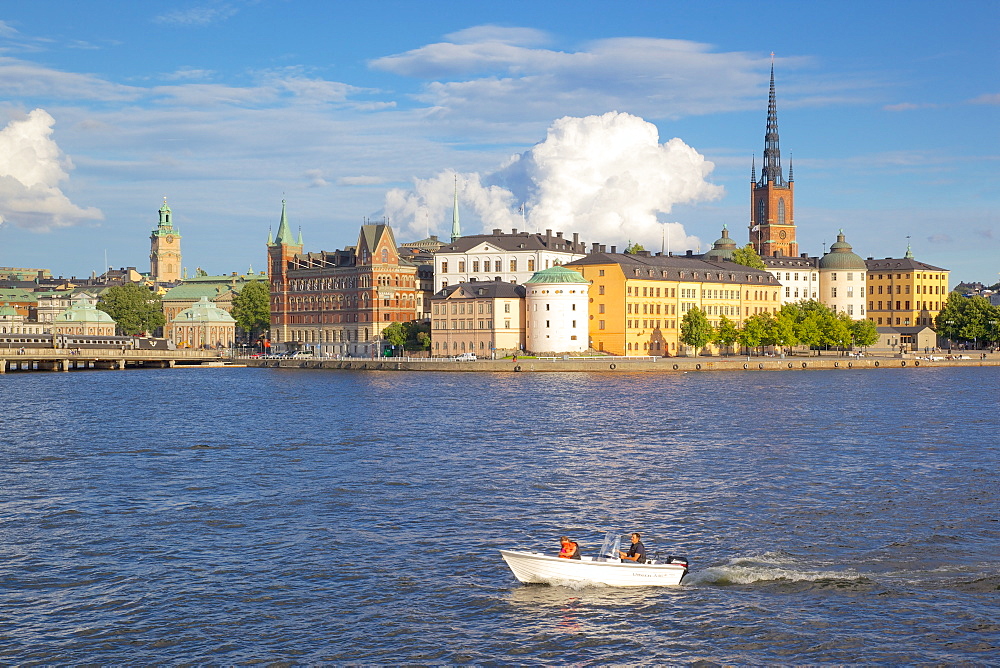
[[280, 252], [165, 249], [772, 198]]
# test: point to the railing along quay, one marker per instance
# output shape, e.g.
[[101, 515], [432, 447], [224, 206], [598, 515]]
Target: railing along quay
[[71, 359]]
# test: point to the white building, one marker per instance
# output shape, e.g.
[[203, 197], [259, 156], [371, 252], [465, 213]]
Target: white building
[[842, 278], [556, 315], [799, 277], [510, 258]]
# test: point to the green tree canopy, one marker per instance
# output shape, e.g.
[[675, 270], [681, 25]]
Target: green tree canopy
[[634, 248], [394, 334], [696, 330], [754, 331], [252, 308], [134, 308], [865, 332], [748, 257], [727, 333]]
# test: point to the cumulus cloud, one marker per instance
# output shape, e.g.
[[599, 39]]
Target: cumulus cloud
[[31, 168], [606, 177]]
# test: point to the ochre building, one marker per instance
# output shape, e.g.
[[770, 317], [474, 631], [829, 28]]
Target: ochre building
[[903, 292], [637, 300]]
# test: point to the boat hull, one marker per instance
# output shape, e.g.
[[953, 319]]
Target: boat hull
[[532, 567]]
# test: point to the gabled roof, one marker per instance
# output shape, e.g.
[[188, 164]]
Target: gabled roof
[[481, 290]]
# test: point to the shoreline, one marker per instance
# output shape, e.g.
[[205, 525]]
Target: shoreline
[[625, 364]]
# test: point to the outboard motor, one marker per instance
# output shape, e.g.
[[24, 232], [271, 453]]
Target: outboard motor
[[683, 561]]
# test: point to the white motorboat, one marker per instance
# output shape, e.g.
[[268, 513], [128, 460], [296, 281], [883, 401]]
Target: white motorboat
[[606, 569]]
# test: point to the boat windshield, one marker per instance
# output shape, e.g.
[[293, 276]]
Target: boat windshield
[[612, 544]]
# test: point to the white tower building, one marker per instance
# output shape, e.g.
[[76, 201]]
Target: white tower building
[[842, 279], [556, 311]]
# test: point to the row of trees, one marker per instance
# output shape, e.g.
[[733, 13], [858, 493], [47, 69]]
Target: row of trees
[[138, 310], [807, 323], [969, 319]]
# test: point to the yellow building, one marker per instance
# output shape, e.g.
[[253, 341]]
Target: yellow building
[[637, 301], [904, 292]]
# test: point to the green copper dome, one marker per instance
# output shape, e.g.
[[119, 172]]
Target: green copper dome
[[7, 310], [842, 256], [556, 274], [723, 247], [82, 311], [203, 311]]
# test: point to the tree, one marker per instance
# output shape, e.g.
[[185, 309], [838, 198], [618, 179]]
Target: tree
[[634, 248], [252, 309], [696, 331], [754, 332], [727, 333], [134, 308], [864, 332], [783, 330], [394, 334], [748, 257]]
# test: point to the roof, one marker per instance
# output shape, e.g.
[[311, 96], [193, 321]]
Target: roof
[[82, 311], [203, 311], [842, 256], [905, 264], [677, 268], [515, 241], [481, 290], [16, 295], [557, 274], [789, 262], [193, 292]]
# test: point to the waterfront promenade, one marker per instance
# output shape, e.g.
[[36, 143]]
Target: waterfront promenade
[[607, 364]]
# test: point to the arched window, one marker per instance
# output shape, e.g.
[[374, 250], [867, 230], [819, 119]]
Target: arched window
[[385, 256], [760, 212], [781, 211]]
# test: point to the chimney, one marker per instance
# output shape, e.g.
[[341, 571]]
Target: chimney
[[558, 235], [602, 249], [594, 248], [690, 253], [614, 249], [497, 232], [576, 239], [514, 231]]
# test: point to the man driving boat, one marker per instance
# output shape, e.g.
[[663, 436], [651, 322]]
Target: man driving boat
[[636, 551]]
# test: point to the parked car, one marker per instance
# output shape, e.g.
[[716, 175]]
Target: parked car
[[466, 357]]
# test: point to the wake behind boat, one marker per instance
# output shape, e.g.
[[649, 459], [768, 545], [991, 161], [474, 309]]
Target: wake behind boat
[[606, 569]]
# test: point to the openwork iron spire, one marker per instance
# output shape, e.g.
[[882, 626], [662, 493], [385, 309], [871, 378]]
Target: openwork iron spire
[[771, 169]]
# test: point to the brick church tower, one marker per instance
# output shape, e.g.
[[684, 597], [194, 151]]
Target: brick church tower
[[280, 251], [772, 198]]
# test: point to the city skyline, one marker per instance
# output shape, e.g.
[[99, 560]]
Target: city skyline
[[349, 112]]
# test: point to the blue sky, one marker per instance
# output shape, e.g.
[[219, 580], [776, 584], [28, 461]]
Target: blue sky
[[619, 121]]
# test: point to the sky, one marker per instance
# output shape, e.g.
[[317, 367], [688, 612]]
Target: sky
[[622, 122]]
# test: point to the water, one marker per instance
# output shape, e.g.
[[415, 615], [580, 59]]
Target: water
[[257, 515]]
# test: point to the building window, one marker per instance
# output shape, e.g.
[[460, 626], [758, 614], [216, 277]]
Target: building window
[[600, 324], [531, 264], [506, 307], [444, 266], [513, 265], [461, 266], [600, 289]]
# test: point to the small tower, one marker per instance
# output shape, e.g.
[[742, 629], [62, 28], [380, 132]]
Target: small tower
[[456, 230], [772, 208], [165, 249]]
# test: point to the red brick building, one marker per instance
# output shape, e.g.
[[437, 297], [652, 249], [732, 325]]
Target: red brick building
[[338, 303]]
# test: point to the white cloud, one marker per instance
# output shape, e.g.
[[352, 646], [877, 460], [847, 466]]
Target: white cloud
[[31, 168], [505, 78], [605, 177]]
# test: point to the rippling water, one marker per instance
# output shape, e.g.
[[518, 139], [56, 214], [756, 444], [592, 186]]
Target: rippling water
[[248, 515]]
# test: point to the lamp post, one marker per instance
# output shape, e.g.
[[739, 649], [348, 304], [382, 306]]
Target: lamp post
[[950, 323]]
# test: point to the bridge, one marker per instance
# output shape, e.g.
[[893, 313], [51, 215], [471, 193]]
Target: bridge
[[62, 359]]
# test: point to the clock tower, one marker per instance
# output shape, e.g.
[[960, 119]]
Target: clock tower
[[165, 249], [772, 198]]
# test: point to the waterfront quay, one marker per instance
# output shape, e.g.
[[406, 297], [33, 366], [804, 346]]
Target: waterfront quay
[[62, 359], [606, 364]]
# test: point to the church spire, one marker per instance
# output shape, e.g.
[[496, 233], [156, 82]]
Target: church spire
[[770, 171], [456, 230], [284, 235]]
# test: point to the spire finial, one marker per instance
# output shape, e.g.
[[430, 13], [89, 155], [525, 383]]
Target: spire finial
[[456, 229], [909, 252]]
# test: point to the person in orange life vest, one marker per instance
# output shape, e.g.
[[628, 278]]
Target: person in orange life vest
[[566, 547], [574, 550]]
